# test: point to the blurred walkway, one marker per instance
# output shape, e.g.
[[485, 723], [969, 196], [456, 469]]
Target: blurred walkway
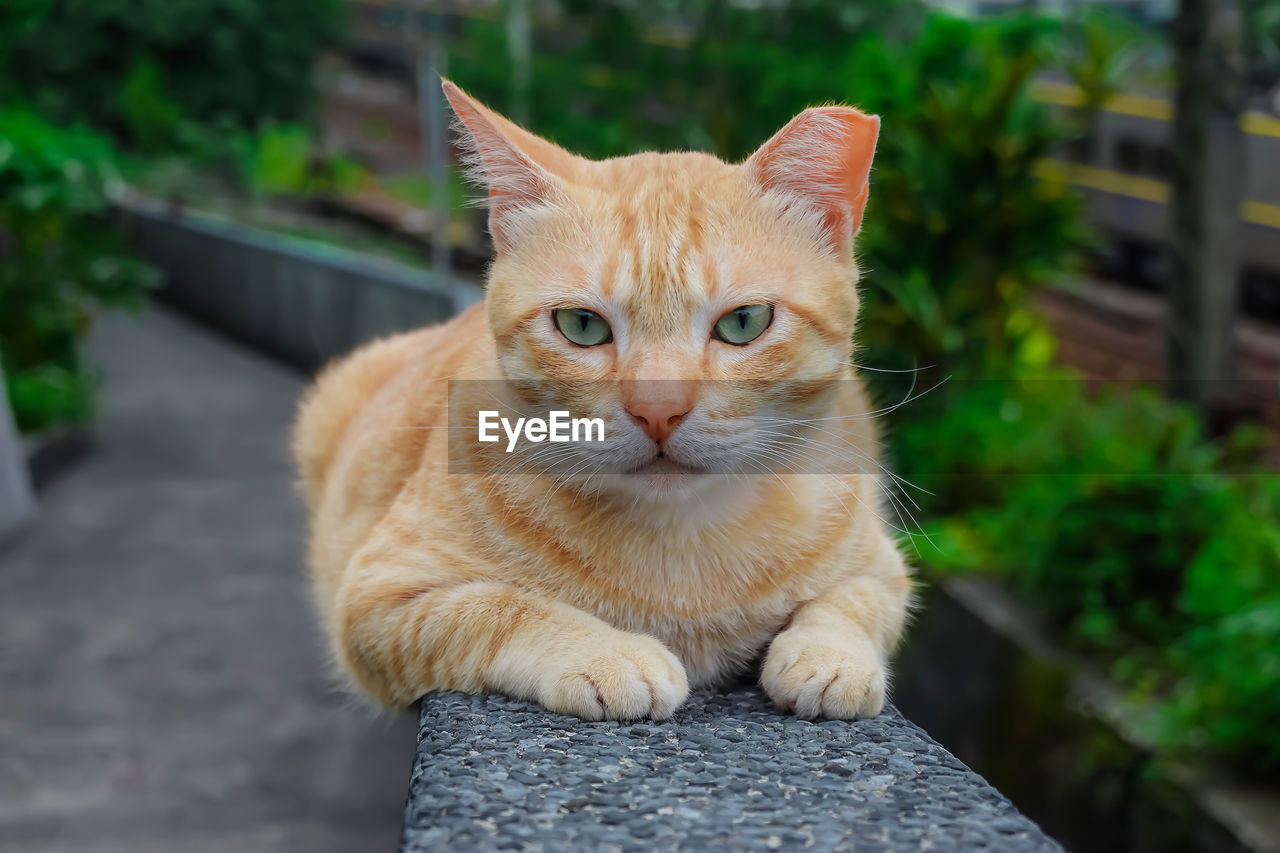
[[165, 687]]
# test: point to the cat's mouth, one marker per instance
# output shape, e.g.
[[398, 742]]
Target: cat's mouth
[[664, 464]]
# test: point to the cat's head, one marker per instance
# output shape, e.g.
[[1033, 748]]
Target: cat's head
[[680, 298]]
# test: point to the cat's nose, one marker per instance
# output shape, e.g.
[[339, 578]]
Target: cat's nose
[[658, 420], [659, 407]]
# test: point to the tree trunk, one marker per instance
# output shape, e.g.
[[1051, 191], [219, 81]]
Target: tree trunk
[[1204, 214]]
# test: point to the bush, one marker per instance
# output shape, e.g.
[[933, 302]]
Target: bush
[[154, 73], [1228, 660], [60, 258], [1115, 517], [961, 231], [214, 82], [619, 77]]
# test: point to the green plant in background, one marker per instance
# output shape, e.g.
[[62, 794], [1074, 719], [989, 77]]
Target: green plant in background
[[961, 232], [623, 76], [416, 190], [1046, 477], [156, 73], [285, 159], [1114, 516], [1103, 50], [198, 92], [60, 258], [1228, 660], [204, 94]]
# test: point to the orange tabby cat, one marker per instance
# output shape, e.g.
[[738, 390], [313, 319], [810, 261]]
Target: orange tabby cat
[[630, 285]]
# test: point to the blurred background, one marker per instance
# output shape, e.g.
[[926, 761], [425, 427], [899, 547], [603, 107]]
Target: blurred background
[[1072, 322]]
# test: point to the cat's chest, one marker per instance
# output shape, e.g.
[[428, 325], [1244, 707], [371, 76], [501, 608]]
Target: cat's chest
[[662, 589], [715, 620], [711, 645]]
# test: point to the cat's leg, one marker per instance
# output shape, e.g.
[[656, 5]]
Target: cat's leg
[[832, 659], [404, 625]]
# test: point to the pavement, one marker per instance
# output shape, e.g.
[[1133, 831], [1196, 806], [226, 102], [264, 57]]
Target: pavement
[[163, 685]]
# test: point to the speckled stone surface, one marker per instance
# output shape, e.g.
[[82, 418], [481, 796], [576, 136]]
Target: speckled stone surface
[[728, 772]]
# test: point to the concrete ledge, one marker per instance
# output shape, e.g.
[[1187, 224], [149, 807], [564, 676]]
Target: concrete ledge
[[300, 301], [728, 772]]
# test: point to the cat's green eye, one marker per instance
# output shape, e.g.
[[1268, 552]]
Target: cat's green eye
[[744, 324], [582, 327]]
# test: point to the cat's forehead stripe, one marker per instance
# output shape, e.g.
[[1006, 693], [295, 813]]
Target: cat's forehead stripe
[[658, 264], [607, 279]]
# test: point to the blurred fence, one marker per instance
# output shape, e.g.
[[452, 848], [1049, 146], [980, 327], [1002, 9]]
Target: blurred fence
[[302, 302]]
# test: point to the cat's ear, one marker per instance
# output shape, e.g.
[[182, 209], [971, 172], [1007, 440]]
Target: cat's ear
[[522, 171], [822, 161]]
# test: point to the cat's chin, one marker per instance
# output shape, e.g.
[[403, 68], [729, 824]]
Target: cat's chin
[[664, 466], [663, 477], [663, 481]]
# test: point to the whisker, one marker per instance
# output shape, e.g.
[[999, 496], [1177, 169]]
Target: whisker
[[887, 369]]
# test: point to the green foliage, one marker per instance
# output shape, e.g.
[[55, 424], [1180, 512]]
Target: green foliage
[[618, 77], [1113, 514], [1229, 658], [285, 158], [59, 259], [417, 190], [211, 80], [961, 231], [241, 166], [1103, 50], [155, 72]]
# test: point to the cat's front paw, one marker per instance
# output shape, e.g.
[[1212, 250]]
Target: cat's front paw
[[813, 678], [630, 678]]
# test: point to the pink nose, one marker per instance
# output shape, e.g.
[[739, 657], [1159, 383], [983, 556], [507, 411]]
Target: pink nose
[[657, 421], [659, 407]]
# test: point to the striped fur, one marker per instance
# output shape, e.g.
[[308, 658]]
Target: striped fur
[[608, 596]]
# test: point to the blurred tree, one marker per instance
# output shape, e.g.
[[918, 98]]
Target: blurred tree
[[963, 228], [1102, 50], [622, 76], [154, 72], [199, 78], [60, 257]]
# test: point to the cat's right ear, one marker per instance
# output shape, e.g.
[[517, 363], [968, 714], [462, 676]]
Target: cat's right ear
[[522, 171], [821, 161]]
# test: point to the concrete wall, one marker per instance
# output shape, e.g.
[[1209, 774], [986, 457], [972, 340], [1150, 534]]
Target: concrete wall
[[303, 302], [17, 502]]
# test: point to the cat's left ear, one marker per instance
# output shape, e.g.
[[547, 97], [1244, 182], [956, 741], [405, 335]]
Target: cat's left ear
[[822, 161]]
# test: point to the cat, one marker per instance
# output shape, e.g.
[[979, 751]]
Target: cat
[[686, 294]]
